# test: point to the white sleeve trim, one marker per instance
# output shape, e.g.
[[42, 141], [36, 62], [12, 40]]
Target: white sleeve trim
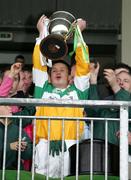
[[39, 77], [82, 82]]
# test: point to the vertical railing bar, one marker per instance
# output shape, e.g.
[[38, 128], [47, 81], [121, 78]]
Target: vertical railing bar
[[77, 148], [19, 149], [62, 157], [48, 148], [123, 143], [5, 145], [106, 149], [91, 151], [33, 156]]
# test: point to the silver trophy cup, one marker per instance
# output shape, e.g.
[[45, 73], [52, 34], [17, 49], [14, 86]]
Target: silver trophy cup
[[61, 27]]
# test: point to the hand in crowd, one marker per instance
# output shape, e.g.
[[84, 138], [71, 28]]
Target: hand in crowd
[[82, 24], [94, 70], [129, 136], [118, 134], [5, 110], [15, 69], [21, 82], [15, 146], [112, 80], [41, 24]]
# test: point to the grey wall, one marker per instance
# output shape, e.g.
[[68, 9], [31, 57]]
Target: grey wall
[[20, 17], [126, 32], [102, 14]]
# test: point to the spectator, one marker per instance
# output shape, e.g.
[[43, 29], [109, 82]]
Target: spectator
[[8, 88], [12, 145], [121, 86], [26, 82]]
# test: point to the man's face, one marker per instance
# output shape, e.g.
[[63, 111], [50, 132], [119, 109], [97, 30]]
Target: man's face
[[27, 80], [59, 75], [124, 80]]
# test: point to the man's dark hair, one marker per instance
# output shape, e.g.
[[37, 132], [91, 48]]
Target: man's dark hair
[[127, 72], [123, 65], [20, 58], [27, 68], [59, 61]]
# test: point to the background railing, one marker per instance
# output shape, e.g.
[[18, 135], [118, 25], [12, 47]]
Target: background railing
[[124, 121]]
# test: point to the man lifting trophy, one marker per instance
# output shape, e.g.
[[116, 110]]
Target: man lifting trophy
[[53, 83]]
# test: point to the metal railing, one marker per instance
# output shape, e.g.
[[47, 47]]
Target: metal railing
[[124, 121]]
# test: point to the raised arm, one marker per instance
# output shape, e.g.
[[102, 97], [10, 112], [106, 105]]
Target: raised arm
[[7, 81], [39, 68], [94, 70], [81, 79]]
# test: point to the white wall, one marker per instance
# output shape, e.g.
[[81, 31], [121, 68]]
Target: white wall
[[126, 32]]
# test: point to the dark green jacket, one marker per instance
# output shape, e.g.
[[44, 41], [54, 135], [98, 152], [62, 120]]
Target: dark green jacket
[[11, 155], [113, 126], [26, 111]]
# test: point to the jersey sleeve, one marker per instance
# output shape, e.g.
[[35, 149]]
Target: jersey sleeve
[[82, 74], [40, 75]]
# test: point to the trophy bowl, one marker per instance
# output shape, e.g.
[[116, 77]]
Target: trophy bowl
[[60, 22]]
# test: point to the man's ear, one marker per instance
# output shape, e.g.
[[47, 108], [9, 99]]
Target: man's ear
[[49, 79], [70, 79]]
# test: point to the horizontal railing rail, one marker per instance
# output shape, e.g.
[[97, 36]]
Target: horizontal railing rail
[[64, 102]]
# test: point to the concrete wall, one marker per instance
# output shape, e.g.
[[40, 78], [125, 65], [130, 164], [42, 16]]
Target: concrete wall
[[8, 57], [126, 31], [103, 18]]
